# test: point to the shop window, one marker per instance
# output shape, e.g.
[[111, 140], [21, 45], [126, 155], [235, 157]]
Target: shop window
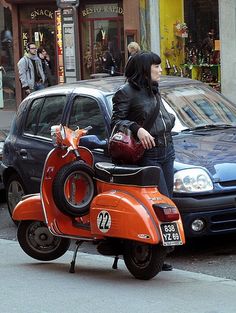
[[7, 59], [190, 43], [102, 38]]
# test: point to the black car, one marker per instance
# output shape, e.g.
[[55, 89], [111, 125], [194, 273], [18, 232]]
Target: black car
[[204, 137], [3, 135]]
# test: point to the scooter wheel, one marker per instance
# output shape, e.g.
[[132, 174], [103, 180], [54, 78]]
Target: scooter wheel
[[144, 261], [74, 189], [36, 241]]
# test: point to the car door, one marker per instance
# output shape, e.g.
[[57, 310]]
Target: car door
[[86, 111], [35, 142]]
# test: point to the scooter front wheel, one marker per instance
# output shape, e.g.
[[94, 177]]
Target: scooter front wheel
[[36, 241], [144, 261]]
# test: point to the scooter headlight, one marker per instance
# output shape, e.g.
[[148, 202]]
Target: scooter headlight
[[57, 134], [192, 180]]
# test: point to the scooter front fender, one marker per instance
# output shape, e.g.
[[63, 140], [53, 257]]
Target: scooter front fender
[[30, 208], [117, 214]]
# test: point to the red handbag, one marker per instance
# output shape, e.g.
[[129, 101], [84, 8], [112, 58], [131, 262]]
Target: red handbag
[[124, 148]]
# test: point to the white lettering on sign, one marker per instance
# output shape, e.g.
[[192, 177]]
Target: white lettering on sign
[[103, 9], [41, 12]]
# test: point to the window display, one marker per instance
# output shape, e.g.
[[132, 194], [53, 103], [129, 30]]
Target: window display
[[190, 43]]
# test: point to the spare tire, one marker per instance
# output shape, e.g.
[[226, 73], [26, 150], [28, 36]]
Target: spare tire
[[74, 188]]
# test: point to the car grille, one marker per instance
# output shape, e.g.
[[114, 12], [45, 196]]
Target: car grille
[[231, 183]]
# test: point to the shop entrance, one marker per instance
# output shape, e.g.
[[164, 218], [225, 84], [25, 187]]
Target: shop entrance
[[102, 46], [43, 35]]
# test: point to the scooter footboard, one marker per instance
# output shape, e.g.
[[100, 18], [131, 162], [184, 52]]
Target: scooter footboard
[[117, 214], [29, 208]]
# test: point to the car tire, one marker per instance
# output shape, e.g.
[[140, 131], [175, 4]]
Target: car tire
[[74, 189], [15, 190], [36, 240]]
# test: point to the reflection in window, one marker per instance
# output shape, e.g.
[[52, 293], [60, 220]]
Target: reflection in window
[[51, 114], [85, 112], [33, 116], [43, 114], [199, 105], [208, 109]]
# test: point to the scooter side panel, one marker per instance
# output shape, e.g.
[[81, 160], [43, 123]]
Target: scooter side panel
[[115, 214], [29, 209], [58, 222]]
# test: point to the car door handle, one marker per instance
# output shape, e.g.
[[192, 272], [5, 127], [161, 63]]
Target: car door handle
[[23, 153]]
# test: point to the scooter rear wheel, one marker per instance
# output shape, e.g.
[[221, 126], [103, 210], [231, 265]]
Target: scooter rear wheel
[[74, 189], [144, 261], [36, 241]]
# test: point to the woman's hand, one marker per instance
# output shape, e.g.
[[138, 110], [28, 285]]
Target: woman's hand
[[146, 139]]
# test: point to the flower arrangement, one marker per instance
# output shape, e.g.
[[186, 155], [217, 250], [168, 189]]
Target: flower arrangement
[[181, 29]]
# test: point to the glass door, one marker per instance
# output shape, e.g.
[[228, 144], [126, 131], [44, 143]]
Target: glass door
[[43, 35]]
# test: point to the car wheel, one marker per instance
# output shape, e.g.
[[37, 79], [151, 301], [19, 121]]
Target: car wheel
[[36, 240], [144, 261], [74, 189], [15, 190]]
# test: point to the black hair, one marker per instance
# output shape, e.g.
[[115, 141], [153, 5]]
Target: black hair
[[40, 49], [138, 69], [29, 44]]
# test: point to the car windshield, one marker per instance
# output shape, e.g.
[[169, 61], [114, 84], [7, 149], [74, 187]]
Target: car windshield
[[196, 106]]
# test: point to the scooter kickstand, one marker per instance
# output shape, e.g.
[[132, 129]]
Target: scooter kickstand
[[114, 266], [72, 264]]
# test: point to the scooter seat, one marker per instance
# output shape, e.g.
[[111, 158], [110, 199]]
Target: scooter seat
[[127, 175]]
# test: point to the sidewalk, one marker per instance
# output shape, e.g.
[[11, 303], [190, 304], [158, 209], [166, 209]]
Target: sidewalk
[[31, 286], [6, 117]]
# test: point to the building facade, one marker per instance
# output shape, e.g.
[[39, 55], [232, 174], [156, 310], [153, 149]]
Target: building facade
[[78, 34]]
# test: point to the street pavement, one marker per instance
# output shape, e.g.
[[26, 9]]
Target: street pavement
[[31, 286], [6, 117]]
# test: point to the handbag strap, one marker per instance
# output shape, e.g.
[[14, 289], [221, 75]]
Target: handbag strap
[[149, 122]]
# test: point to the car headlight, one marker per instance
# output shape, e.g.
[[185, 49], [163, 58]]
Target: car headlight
[[192, 180]]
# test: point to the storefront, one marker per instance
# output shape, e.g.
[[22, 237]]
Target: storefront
[[190, 43], [104, 28], [102, 37]]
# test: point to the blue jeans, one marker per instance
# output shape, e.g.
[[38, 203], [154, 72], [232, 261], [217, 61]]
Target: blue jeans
[[164, 158]]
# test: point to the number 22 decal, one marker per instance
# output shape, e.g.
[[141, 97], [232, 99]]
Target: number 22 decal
[[104, 221]]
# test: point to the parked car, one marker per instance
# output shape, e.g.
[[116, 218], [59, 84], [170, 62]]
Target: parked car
[[3, 135], [204, 137]]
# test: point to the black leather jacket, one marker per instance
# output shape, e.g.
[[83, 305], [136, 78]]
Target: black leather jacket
[[132, 107]]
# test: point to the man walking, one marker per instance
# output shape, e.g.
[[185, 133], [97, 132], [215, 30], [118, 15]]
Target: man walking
[[30, 70]]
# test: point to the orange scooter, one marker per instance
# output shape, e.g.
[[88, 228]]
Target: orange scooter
[[118, 208]]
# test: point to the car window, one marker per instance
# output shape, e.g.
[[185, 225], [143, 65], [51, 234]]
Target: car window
[[86, 112], [199, 105], [44, 113]]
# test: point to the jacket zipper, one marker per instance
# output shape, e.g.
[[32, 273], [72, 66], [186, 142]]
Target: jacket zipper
[[163, 121]]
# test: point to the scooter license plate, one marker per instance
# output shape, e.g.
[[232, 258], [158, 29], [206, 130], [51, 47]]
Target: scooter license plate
[[170, 234]]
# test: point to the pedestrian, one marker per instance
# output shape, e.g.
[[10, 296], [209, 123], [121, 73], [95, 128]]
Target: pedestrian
[[47, 67], [133, 47], [136, 101], [30, 70]]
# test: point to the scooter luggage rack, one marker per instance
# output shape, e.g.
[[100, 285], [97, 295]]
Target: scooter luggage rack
[[127, 174]]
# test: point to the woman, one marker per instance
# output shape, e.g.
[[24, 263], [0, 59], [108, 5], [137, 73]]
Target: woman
[[134, 103], [46, 64]]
